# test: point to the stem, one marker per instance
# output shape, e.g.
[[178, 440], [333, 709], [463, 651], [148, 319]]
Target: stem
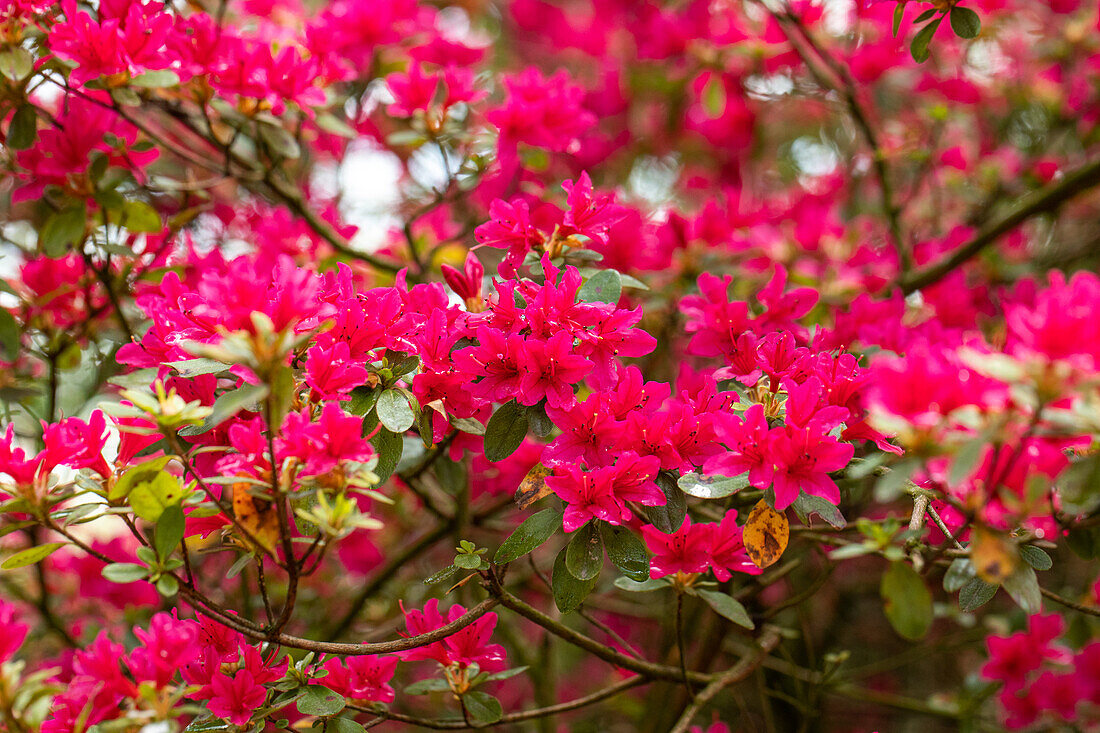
[[680, 645], [734, 674], [1045, 200]]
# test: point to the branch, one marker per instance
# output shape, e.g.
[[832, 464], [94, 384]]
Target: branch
[[329, 647], [1043, 201], [840, 79], [604, 652], [1069, 604], [547, 711], [734, 674]]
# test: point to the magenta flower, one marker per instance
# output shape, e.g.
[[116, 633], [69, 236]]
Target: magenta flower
[[77, 444], [321, 446], [687, 550], [589, 213], [468, 645], [549, 369], [362, 678], [602, 493], [509, 227], [236, 698], [12, 632], [727, 550], [803, 459]]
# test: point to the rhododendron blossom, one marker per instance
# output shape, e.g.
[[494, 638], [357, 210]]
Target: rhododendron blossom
[[581, 365]]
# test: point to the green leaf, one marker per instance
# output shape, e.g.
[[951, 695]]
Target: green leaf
[[906, 601], [363, 400], [633, 586], [959, 573], [389, 446], [31, 555], [507, 674], [535, 530], [9, 335], [1023, 587], [712, 487], [394, 411], [125, 572], [1085, 543], [468, 562], [229, 404], [168, 586], [892, 484], [343, 725], [149, 499], [1079, 486], [280, 141], [169, 533], [965, 22], [467, 425], [441, 575], [191, 368], [1035, 557], [726, 606], [332, 124], [482, 706], [138, 216], [899, 13], [540, 423], [584, 553], [965, 460], [423, 687], [207, 725], [626, 551], [156, 79], [976, 593], [924, 16], [670, 515], [16, 63], [919, 47], [807, 504], [62, 230], [505, 432], [569, 593], [23, 128], [320, 701], [606, 286], [138, 474]]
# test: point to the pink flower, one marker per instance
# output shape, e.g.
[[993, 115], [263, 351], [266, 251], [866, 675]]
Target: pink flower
[[687, 550], [77, 444], [362, 678], [468, 283], [590, 213], [167, 645], [803, 459], [12, 632], [466, 646], [323, 445], [236, 698], [510, 227], [549, 369], [727, 550], [123, 45], [331, 373], [542, 111], [602, 493], [412, 90]]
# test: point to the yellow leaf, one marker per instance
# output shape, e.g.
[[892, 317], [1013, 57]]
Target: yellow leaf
[[257, 516], [993, 554], [533, 486], [765, 534]]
